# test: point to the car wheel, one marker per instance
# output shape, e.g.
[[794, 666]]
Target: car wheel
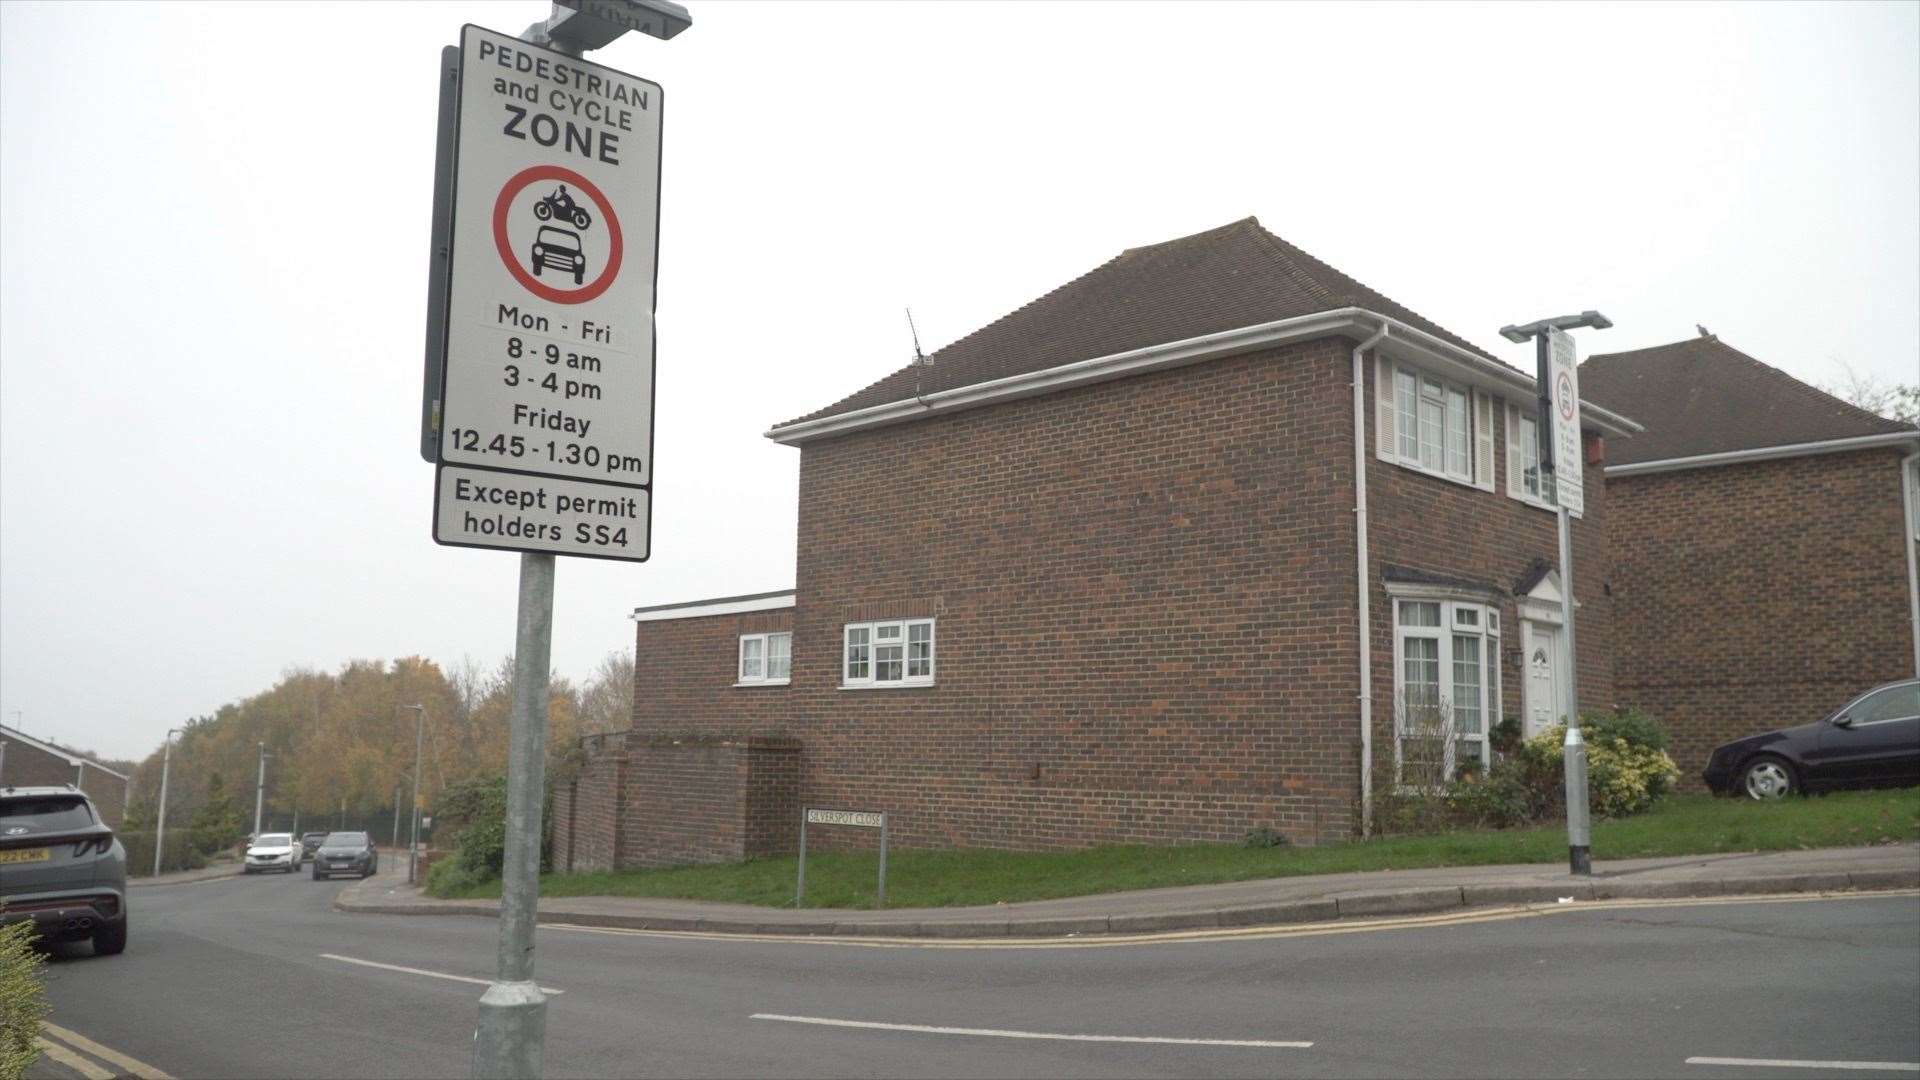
[[110, 939], [1767, 778]]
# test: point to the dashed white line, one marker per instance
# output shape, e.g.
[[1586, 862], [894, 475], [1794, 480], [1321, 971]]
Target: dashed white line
[[1783, 1063], [421, 971], [1002, 1034]]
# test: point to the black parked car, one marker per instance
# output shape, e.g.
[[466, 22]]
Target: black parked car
[[1872, 741], [310, 843], [345, 853]]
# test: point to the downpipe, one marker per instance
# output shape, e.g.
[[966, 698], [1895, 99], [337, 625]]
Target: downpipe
[[1361, 579]]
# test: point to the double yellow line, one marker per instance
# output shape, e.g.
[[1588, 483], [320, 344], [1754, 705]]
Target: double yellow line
[[84, 1056], [1321, 929]]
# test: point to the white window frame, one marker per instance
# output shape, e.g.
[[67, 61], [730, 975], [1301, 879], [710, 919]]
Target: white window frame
[[765, 644], [883, 634], [1408, 449], [1455, 614]]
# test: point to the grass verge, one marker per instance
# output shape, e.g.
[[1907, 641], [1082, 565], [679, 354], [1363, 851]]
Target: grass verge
[[1682, 825]]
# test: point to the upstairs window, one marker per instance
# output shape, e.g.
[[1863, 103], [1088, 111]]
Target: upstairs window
[[1435, 426], [766, 659], [890, 653]]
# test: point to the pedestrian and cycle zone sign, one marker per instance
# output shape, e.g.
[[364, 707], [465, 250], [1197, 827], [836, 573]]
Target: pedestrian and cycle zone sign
[[546, 432]]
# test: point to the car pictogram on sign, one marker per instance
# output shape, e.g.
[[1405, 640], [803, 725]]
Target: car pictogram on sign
[[559, 249]]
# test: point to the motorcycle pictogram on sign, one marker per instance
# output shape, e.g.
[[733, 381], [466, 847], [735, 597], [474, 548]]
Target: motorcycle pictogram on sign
[[530, 230]]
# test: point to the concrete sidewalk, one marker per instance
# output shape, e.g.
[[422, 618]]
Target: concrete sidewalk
[[1273, 901], [188, 877]]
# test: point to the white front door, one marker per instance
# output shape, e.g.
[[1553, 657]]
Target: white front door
[[1542, 663]]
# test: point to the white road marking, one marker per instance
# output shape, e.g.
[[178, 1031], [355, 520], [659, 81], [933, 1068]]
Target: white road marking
[[1780, 1063], [133, 1066], [72, 1060], [999, 1034], [1461, 917], [421, 971]]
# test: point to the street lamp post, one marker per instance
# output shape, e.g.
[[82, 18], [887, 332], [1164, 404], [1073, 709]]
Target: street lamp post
[[160, 830], [1573, 750], [413, 841], [260, 790]]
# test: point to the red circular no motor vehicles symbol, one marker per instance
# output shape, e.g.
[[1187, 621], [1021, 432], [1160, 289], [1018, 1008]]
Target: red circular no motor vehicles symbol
[[511, 190], [1563, 389]]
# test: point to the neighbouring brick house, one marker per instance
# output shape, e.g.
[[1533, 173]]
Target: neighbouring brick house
[[1763, 537], [1092, 574], [29, 762]]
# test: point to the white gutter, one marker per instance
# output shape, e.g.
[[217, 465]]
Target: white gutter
[[1907, 534], [1764, 453], [1358, 322], [1362, 579], [702, 608]]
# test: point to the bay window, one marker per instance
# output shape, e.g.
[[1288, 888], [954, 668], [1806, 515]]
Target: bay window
[[1446, 688]]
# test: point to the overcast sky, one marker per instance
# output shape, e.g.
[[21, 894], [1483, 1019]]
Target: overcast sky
[[214, 227]]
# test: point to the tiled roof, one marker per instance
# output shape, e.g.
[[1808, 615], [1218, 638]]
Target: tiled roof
[[1703, 396], [1227, 278]]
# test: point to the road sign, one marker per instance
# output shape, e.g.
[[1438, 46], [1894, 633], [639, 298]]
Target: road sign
[[859, 818], [546, 425], [1564, 370]]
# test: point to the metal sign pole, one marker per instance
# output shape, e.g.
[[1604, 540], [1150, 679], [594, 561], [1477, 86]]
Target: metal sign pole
[[880, 897], [1573, 750], [160, 832], [800, 885], [511, 1038]]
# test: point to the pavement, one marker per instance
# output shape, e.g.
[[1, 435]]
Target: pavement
[[187, 877], [1271, 902]]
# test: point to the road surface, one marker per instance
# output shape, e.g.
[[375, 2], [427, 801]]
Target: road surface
[[258, 976]]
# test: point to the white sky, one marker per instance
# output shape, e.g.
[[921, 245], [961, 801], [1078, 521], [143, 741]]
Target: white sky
[[213, 234]]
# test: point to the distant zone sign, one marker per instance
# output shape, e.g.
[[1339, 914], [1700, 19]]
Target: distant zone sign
[[1564, 366], [546, 429]]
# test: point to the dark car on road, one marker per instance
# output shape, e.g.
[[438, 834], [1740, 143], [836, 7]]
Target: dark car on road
[[1872, 741], [61, 867], [310, 843], [345, 853]]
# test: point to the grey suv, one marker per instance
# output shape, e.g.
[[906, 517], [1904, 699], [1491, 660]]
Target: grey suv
[[345, 853], [62, 867]]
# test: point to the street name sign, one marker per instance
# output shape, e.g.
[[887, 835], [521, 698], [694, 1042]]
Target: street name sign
[[1564, 370], [546, 420], [859, 818]]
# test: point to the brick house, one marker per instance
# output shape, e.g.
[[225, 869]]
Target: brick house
[[1111, 569], [29, 762], [1763, 537]]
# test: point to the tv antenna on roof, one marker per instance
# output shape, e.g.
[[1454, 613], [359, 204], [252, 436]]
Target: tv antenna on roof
[[920, 360]]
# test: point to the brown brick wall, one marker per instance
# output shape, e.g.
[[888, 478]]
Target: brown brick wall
[[26, 765], [1145, 601], [684, 671], [1751, 597], [1443, 528]]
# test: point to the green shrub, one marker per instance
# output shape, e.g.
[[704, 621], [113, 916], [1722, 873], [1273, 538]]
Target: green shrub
[[1263, 838], [23, 999], [1628, 770], [448, 877], [1631, 726]]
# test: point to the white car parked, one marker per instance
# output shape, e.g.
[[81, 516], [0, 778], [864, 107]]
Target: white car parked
[[273, 851]]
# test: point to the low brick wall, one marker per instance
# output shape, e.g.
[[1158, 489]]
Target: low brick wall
[[667, 802]]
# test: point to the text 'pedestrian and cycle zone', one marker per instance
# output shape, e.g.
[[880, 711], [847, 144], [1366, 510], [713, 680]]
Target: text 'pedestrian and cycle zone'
[[546, 441]]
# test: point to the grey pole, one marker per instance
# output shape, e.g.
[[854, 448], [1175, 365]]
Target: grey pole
[[1573, 750], [413, 843], [511, 1038], [160, 831], [260, 790], [397, 788]]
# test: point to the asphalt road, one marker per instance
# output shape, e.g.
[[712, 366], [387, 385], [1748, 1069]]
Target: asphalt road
[[228, 979]]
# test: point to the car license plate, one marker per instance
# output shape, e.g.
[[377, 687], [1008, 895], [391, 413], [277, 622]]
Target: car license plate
[[32, 854]]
